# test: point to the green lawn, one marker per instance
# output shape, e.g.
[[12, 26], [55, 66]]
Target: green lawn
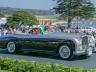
[[5, 71]]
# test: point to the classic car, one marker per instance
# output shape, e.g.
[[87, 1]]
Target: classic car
[[66, 45]]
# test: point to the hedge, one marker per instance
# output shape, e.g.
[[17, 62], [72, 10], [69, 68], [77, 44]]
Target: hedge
[[9, 65], [5, 71]]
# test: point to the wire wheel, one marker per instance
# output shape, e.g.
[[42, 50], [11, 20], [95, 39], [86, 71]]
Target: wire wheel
[[11, 47], [65, 52]]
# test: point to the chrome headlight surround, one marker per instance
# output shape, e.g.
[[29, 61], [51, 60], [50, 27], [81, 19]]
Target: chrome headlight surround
[[79, 44], [91, 41]]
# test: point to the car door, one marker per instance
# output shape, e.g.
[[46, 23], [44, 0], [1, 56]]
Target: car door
[[40, 43], [50, 44], [43, 43], [32, 43]]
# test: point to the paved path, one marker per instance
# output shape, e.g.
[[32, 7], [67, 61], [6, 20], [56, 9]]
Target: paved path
[[80, 61]]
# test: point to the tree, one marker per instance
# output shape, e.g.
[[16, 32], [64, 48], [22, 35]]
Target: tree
[[1, 14], [71, 9], [21, 17]]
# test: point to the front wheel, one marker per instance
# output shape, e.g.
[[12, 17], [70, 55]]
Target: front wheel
[[65, 52], [11, 48]]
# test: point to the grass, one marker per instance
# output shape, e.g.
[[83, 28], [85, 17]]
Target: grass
[[5, 71]]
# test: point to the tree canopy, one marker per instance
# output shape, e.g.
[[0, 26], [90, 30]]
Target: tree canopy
[[1, 14], [71, 9], [21, 17]]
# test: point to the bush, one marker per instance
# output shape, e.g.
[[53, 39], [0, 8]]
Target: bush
[[25, 66]]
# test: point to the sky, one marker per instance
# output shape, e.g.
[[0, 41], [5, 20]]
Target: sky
[[30, 4]]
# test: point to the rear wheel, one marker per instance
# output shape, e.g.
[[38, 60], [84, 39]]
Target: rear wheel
[[65, 52], [11, 47]]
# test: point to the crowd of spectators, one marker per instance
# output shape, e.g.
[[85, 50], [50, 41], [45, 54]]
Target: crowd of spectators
[[42, 30]]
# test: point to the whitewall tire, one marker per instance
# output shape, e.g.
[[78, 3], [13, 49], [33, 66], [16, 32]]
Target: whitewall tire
[[11, 48], [65, 52]]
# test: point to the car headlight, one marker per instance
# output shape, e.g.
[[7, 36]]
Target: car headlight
[[79, 44], [91, 41], [79, 41]]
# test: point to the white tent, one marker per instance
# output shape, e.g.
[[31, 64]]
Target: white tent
[[3, 21]]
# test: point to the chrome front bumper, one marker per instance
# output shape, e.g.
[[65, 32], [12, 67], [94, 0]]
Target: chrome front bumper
[[87, 51]]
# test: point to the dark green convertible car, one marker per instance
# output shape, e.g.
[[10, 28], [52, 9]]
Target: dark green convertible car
[[66, 45]]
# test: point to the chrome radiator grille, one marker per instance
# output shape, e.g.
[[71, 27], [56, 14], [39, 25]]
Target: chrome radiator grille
[[85, 42]]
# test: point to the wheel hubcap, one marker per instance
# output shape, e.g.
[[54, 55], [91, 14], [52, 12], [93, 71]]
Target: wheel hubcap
[[64, 52], [11, 47]]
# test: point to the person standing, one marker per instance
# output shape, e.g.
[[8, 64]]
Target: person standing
[[41, 29]]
